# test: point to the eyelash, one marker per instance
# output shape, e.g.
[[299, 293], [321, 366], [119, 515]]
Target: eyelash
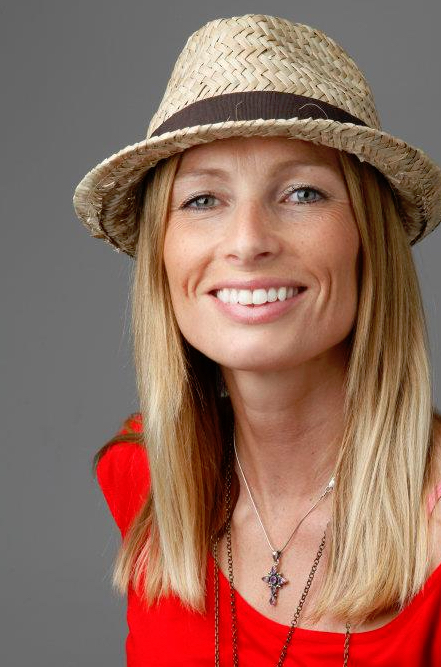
[[291, 190]]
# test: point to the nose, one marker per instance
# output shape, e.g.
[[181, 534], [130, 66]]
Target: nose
[[252, 236]]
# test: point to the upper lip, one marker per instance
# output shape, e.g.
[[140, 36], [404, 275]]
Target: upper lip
[[255, 283]]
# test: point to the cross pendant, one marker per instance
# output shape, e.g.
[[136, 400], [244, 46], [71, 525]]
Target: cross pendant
[[275, 579]]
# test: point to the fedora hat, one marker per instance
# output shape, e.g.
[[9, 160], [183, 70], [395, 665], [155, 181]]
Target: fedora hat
[[266, 76]]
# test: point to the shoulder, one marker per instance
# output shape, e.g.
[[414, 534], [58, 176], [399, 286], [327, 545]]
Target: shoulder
[[122, 472]]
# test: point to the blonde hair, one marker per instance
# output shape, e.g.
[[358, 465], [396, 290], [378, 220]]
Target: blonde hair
[[379, 538]]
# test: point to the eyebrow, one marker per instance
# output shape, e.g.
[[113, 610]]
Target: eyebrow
[[276, 168]]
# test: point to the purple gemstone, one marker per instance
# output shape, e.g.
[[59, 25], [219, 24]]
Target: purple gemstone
[[273, 580]]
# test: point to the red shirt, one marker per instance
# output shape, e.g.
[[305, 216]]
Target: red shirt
[[168, 634]]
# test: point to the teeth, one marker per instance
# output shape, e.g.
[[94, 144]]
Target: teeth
[[223, 296], [245, 297], [260, 296], [281, 293], [234, 296], [256, 297], [272, 295]]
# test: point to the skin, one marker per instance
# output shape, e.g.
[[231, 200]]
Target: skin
[[285, 375]]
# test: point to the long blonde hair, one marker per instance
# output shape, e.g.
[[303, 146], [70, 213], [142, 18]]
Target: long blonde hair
[[379, 537]]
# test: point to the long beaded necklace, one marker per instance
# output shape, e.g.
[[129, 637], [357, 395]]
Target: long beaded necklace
[[274, 578], [295, 619]]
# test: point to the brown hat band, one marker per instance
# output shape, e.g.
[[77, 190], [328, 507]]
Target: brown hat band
[[265, 104]]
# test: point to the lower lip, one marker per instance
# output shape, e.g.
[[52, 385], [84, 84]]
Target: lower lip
[[262, 314]]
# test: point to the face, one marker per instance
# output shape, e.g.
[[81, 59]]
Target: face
[[261, 253]]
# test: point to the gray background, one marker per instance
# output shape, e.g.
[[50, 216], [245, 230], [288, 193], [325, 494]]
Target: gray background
[[80, 80]]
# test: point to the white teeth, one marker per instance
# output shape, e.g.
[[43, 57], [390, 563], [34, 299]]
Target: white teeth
[[281, 293], [245, 297], [260, 296], [256, 297], [223, 296], [272, 295]]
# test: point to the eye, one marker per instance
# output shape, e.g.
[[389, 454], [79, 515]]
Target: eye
[[200, 201], [305, 194]]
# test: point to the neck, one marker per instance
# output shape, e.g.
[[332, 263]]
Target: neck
[[288, 429]]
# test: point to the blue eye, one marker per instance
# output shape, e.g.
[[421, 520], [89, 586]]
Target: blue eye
[[306, 195], [200, 201], [303, 195]]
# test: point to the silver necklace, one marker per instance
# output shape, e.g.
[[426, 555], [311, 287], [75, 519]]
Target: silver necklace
[[234, 625], [274, 578]]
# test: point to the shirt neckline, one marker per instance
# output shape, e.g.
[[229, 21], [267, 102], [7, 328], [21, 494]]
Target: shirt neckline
[[307, 634]]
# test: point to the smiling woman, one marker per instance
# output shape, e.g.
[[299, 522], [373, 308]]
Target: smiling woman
[[256, 235], [277, 492]]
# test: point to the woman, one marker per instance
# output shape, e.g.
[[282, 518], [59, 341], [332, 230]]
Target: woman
[[277, 491]]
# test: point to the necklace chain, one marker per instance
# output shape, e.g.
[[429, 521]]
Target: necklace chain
[[295, 619], [275, 551]]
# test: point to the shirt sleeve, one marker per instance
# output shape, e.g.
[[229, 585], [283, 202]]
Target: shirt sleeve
[[122, 473]]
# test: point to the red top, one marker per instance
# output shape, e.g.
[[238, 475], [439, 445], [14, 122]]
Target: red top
[[167, 634]]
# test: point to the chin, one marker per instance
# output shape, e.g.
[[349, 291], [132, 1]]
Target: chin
[[257, 360], [268, 357]]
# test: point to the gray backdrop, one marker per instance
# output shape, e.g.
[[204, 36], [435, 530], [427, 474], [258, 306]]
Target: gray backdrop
[[80, 80]]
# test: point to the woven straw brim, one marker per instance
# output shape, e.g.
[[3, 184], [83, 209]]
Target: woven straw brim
[[105, 200]]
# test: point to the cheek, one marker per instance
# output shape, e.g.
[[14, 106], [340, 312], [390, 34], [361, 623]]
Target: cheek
[[343, 278], [177, 258], [335, 265], [171, 266], [184, 263]]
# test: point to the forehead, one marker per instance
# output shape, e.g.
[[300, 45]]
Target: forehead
[[255, 153]]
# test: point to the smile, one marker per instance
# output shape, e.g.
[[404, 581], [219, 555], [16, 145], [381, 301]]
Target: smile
[[256, 297]]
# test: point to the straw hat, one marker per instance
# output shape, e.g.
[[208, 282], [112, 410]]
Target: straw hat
[[259, 75]]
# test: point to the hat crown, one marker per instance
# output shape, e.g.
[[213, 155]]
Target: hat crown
[[256, 52]]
